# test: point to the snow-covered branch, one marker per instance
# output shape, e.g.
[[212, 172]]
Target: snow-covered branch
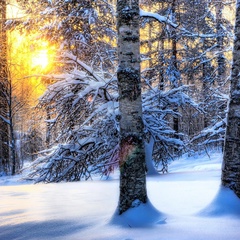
[[84, 66], [5, 120], [158, 17], [165, 20]]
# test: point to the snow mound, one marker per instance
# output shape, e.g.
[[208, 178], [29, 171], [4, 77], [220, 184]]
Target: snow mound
[[225, 203], [144, 215]]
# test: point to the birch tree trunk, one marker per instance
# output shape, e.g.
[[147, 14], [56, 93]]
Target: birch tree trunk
[[132, 155], [231, 156]]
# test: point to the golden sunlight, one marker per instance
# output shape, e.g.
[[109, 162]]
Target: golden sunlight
[[40, 59], [30, 58], [41, 55]]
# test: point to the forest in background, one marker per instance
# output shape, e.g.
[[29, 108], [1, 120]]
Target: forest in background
[[58, 95]]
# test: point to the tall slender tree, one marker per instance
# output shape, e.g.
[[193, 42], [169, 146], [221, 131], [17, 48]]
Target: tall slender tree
[[220, 42], [132, 156], [175, 81], [4, 151], [231, 157]]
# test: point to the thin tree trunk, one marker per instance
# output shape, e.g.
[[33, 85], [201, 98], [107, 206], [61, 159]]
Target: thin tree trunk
[[4, 135], [132, 155], [161, 56], [48, 129], [220, 60], [11, 131], [13, 149], [175, 67], [206, 84], [231, 156], [149, 147]]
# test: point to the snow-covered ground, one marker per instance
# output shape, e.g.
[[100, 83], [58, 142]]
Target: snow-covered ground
[[191, 205]]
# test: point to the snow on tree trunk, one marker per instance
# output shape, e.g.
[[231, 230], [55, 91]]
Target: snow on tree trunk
[[231, 157], [151, 170], [132, 155]]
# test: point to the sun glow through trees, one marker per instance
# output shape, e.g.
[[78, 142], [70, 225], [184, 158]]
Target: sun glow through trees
[[40, 59], [30, 57], [42, 56]]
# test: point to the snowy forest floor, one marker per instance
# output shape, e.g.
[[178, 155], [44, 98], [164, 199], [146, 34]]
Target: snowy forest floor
[[189, 197]]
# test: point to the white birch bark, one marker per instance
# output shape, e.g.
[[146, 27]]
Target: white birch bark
[[132, 154], [231, 157]]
